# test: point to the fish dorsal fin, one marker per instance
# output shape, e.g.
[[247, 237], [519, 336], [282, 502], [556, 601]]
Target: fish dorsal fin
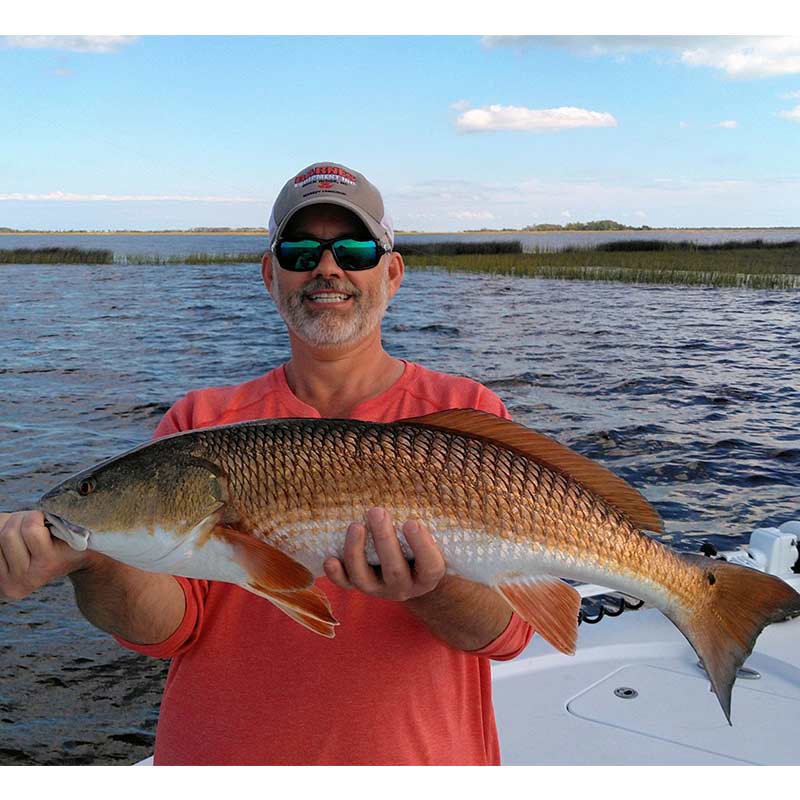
[[551, 454]]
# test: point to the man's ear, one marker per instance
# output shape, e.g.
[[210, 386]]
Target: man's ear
[[396, 271], [266, 270]]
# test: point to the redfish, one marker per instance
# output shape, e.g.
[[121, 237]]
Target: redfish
[[262, 504]]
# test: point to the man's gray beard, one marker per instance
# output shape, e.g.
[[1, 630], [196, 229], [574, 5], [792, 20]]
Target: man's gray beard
[[332, 328]]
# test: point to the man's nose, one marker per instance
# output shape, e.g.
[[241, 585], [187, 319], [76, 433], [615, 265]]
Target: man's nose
[[327, 266]]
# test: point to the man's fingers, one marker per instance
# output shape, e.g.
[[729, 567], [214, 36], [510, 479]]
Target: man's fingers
[[15, 552], [360, 573], [429, 564], [395, 571], [30, 557], [396, 579], [37, 538], [335, 571]]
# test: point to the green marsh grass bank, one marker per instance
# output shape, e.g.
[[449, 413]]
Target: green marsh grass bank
[[56, 255], [741, 264]]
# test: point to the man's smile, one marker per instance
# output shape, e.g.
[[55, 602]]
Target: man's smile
[[328, 296]]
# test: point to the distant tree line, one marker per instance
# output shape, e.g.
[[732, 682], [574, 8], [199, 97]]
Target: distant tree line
[[593, 225]]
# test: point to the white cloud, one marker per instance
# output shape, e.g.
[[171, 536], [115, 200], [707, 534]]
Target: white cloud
[[598, 45], [790, 95], [75, 44], [683, 124], [793, 115], [470, 215], [72, 197], [728, 123], [460, 105], [761, 57], [737, 56], [518, 118]]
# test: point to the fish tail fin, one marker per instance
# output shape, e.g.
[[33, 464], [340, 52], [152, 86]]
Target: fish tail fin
[[741, 602]]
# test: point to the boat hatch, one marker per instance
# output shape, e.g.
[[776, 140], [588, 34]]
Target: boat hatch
[[668, 706]]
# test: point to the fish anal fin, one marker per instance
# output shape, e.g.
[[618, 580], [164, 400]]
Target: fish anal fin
[[549, 605], [309, 607], [551, 454], [268, 567]]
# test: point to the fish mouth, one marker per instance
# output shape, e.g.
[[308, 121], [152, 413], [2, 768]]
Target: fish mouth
[[74, 535]]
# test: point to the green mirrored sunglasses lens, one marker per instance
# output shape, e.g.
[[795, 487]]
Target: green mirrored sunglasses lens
[[352, 254], [304, 255]]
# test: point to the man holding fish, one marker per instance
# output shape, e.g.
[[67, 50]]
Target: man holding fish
[[406, 680], [356, 536]]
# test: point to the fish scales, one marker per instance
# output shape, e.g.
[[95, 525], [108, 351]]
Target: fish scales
[[436, 475]]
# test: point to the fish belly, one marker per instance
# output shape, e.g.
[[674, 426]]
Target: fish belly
[[191, 556]]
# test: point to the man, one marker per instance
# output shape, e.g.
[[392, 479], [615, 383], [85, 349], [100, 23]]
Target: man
[[407, 678]]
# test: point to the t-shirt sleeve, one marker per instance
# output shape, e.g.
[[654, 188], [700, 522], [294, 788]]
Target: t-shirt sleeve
[[487, 400], [178, 418], [510, 643], [186, 633]]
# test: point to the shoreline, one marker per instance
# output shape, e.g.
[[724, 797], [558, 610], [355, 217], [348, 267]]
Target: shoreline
[[134, 233], [505, 232]]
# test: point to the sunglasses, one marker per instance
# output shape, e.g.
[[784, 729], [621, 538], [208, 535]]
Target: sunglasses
[[350, 254]]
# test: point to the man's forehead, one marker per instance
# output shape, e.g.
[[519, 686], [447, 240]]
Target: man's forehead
[[324, 213]]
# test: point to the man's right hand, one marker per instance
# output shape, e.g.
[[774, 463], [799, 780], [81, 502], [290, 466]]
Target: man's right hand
[[30, 557]]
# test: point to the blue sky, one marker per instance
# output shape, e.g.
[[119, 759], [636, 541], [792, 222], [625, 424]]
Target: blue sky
[[458, 132]]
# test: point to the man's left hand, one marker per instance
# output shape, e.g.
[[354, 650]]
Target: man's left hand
[[397, 579]]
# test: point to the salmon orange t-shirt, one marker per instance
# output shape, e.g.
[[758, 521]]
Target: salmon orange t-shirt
[[247, 685]]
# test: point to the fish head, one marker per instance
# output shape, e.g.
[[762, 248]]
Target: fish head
[[156, 488]]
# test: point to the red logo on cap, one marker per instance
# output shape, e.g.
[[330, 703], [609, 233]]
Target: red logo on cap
[[324, 184], [326, 174]]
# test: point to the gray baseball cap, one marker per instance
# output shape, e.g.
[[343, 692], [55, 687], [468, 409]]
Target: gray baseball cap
[[328, 182]]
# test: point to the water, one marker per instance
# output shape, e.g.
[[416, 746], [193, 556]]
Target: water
[[691, 394]]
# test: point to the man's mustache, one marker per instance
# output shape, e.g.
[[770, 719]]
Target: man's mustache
[[331, 285]]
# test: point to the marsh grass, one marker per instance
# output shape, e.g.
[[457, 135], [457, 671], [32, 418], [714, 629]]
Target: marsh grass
[[194, 258], [458, 248], [767, 267], [650, 245], [55, 255]]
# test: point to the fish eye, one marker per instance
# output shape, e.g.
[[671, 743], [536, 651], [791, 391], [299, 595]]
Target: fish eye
[[86, 486]]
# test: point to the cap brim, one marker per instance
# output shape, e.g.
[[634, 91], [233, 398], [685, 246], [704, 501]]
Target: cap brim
[[374, 227]]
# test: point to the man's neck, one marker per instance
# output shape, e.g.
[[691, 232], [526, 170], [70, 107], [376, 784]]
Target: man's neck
[[335, 381]]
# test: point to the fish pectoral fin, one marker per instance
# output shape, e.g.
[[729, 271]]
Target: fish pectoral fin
[[268, 567], [310, 607], [548, 604]]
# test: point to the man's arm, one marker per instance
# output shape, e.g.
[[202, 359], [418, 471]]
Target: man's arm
[[137, 606], [463, 614]]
